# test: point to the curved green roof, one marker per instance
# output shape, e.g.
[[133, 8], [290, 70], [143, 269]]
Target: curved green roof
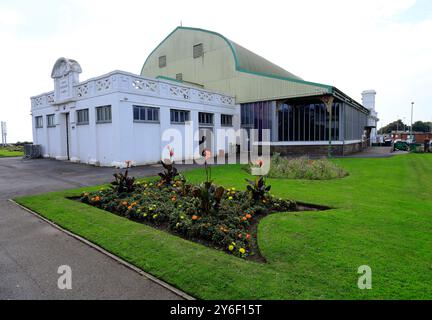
[[251, 62], [248, 62]]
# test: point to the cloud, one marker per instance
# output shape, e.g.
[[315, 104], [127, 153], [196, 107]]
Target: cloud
[[354, 45]]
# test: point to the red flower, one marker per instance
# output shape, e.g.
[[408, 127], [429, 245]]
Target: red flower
[[207, 154], [171, 151], [260, 163]]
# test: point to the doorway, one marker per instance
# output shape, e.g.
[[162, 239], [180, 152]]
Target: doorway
[[68, 135]]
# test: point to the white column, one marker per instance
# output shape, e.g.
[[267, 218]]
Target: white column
[[196, 137], [74, 137], [93, 158], [217, 143]]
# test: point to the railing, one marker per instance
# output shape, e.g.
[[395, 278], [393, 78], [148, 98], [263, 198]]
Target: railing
[[119, 81]]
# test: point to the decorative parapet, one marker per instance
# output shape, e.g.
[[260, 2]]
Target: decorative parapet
[[120, 81]]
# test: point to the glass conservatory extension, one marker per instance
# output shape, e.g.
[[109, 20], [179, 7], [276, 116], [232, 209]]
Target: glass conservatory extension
[[307, 121]]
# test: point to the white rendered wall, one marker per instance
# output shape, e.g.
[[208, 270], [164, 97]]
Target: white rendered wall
[[111, 144]]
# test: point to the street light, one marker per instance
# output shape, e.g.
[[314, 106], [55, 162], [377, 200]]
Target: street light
[[412, 113]]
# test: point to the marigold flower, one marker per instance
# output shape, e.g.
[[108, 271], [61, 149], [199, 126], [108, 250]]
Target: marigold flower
[[195, 217], [130, 208], [248, 216], [243, 219], [248, 236]]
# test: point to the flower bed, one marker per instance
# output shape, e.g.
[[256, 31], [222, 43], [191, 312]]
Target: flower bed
[[206, 213], [176, 209]]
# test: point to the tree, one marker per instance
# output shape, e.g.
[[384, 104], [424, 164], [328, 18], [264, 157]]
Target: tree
[[421, 126], [394, 126]]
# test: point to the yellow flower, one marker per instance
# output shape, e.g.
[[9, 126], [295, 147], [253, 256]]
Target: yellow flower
[[155, 216], [242, 250], [145, 214], [231, 248], [230, 198]]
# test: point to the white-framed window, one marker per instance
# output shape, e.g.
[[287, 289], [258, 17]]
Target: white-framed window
[[198, 50], [51, 121], [179, 116], [103, 114], [82, 116], [205, 118], [145, 114], [226, 120], [39, 122], [162, 61]]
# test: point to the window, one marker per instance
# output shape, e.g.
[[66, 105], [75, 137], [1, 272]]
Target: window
[[103, 114], [307, 121], [39, 122], [179, 76], [147, 114], [198, 50], [226, 120], [179, 116], [205, 118], [50, 121], [82, 116], [162, 61]]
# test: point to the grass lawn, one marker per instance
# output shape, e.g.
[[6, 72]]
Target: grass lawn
[[4, 152], [382, 218]]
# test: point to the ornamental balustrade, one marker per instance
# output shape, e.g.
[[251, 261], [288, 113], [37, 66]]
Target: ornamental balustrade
[[119, 81]]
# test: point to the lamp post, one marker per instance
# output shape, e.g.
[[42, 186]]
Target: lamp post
[[411, 129]]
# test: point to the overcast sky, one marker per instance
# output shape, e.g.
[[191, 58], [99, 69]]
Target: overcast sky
[[354, 45]]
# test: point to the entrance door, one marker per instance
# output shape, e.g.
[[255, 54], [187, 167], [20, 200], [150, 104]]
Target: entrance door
[[206, 139], [68, 135]]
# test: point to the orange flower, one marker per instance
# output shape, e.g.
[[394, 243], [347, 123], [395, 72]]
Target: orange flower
[[130, 208], [248, 236], [248, 216], [195, 218], [244, 219], [124, 203]]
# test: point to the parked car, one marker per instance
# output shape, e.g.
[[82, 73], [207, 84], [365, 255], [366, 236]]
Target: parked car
[[401, 146]]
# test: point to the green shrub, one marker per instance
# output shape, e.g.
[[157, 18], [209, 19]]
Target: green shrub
[[304, 168]]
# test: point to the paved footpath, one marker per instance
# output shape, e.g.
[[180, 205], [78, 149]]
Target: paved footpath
[[31, 250]]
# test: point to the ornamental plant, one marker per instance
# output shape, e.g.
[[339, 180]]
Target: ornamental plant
[[258, 189], [209, 195], [123, 183], [170, 171]]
